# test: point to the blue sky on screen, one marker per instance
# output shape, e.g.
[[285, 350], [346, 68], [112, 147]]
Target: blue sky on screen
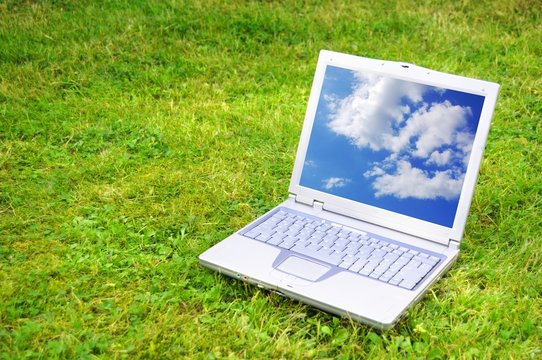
[[390, 143]]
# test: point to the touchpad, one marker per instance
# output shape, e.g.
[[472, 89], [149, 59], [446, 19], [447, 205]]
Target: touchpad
[[302, 268]]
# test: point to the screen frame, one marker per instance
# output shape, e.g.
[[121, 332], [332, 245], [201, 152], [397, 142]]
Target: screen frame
[[375, 215]]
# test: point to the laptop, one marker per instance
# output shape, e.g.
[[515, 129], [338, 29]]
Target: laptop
[[380, 191]]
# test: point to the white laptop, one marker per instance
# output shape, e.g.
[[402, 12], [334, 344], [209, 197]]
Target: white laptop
[[380, 191]]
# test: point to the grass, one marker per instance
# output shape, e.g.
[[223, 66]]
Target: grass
[[134, 135]]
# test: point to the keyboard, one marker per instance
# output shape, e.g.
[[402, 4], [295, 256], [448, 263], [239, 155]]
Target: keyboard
[[353, 250]]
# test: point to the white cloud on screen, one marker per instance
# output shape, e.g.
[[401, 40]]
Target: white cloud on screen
[[335, 182], [375, 116], [440, 158], [413, 182], [359, 116], [439, 125]]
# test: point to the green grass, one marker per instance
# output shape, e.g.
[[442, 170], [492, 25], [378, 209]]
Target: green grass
[[134, 135]]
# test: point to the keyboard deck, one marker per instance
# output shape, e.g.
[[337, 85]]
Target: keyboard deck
[[353, 250]]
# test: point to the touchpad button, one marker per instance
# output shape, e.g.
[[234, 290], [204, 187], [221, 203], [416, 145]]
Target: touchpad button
[[302, 268]]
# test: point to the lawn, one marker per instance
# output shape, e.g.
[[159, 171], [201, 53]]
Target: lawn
[[134, 135]]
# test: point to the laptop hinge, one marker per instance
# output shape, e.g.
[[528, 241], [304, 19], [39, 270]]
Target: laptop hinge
[[454, 244], [302, 199], [318, 205]]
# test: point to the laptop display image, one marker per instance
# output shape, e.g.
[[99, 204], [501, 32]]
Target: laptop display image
[[380, 191], [394, 144]]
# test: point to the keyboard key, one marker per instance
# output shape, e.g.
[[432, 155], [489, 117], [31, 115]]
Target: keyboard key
[[389, 273], [356, 231], [333, 231], [381, 269], [424, 269], [273, 240], [407, 284], [286, 245], [385, 278], [358, 265], [313, 247], [263, 237], [323, 227], [353, 237], [370, 266], [411, 276], [330, 238], [335, 258], [391, 257], [378, 254], [345, 264], [396, 267], [319, 234], [302, 243], [338, 247], [280, 230], [252, 234], [354, 245], [366, 249], [351, 251], [327, 245], [291, 233], [287, 238]]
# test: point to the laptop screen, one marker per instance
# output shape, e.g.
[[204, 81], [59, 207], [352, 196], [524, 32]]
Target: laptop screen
[[394, 144]]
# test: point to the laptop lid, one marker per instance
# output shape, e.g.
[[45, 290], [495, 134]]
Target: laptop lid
[[393, 144]]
